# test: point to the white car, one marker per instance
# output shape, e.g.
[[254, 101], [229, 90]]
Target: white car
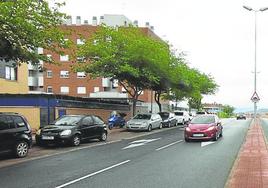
[[145, 122], [182, 117]]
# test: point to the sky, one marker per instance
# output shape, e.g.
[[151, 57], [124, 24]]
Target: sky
[[216, 35]]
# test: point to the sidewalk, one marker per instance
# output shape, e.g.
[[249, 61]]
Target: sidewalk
[[251, 167]]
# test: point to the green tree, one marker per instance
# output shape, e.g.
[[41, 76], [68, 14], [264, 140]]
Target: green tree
[[26, 25], [227, 111], [124, 54]]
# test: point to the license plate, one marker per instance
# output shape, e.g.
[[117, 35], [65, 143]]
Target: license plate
[[48, 137], [198, 135]]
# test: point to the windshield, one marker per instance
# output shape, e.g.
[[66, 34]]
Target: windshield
[[178, 113], [67, 120], [142, 116], [200, 113], [203, 120], [164, 115]]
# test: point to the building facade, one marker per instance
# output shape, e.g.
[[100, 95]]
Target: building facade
[[62, 80]]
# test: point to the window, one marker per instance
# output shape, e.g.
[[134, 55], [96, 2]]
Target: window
[[49, 73], [97, 120], [124, 90], [40, 50], [80, 41], [87, 121], [81, 74], [96, 89], [49, 56], [81, 90], [49, 89], [64, 74], [80, 59], [3, 123], [64, 58], [18, 121], [11, 73], [115, 83], [64, 89]]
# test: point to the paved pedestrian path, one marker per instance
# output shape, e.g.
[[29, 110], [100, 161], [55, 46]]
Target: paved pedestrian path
[[251, 167]]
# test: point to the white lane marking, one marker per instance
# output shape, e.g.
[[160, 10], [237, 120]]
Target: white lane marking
[[137, 143], [92, 174], [158, 149], [206, 143]]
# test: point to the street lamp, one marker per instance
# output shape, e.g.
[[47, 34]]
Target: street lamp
[[255, 62]]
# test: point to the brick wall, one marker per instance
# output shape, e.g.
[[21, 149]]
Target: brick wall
[[104, 114]]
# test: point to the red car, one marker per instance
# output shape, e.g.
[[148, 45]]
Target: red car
[[203, 127]]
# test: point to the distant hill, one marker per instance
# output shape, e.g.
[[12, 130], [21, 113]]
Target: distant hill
[[249, 110]]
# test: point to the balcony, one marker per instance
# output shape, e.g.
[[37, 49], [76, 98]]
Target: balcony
[[35, 81], [32, 81]]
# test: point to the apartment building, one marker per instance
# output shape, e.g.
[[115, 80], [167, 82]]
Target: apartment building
[[61, 79]]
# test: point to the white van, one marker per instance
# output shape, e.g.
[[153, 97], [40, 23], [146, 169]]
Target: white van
[[182, 117]]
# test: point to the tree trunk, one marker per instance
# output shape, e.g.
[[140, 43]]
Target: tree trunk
[[134, 103], [157, 100]]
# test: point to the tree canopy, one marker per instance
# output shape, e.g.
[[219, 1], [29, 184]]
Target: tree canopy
[[141, 62], [127, 55], [26, 25]]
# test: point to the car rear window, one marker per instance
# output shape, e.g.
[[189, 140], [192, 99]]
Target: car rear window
[[203, 120], [178, 113], [164, 115], [142, 116]]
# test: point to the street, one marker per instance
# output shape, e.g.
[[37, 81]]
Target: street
[[162, 159]]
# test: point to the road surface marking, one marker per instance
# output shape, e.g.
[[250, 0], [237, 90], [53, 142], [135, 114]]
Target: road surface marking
[[92, 174], [137, 143], [158, 149], [206, 143]]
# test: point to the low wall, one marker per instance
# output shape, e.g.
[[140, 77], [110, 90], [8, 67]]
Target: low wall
[[32, 114]]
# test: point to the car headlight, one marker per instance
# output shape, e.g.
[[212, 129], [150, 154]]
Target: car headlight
[[38, 132], [211, 128], [66, 132], [144, 124], [188, 129]]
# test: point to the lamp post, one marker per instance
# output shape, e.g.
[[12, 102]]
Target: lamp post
[[255, 58]]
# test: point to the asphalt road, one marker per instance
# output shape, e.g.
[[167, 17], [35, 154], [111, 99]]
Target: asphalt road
[[157, 160]]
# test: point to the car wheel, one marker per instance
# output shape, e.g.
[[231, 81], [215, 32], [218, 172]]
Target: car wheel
[[215, 138], [160, 126], [149, 128], [21, 149], [175, 123], [186, 140], [76, 140], [221, 134], [103, 136]]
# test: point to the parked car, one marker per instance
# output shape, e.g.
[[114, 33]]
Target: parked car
[[72, 129], [182, 117], [168, 119], [205, 127], [201, 113], [145, 122], [241, 116], [15, 134]]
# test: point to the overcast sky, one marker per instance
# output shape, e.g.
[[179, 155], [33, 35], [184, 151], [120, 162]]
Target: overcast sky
[[216, 35]]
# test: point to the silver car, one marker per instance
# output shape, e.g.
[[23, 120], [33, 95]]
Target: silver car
[[145, 122]]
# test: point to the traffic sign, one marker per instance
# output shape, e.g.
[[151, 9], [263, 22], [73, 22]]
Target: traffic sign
[[255, 97]]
